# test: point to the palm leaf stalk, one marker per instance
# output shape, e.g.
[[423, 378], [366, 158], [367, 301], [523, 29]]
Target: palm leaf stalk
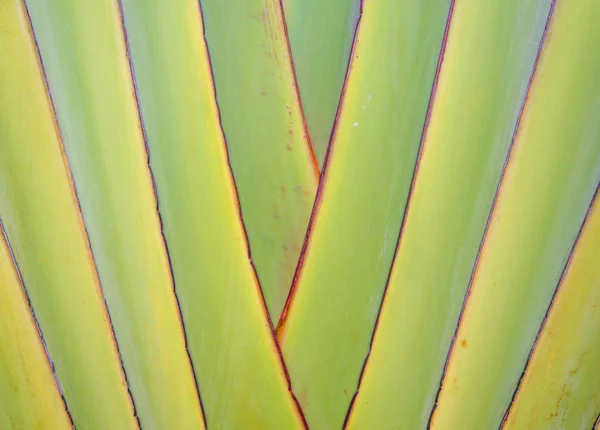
[[285, 214]]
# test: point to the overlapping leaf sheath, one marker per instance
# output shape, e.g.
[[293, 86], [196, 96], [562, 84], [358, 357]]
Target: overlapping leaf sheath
[[326, 331], [42, 222], [551, 176], [561, 385], [268, 143], [84, 57], [241, 379], [321, 35], [490, 54], [29, 394]]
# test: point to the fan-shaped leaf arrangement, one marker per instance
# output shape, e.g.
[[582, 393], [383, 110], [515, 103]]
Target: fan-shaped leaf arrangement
[[265, 214]]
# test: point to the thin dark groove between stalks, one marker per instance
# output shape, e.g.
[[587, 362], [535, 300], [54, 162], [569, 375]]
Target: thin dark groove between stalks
[[407, 206], [243, 226], [596, 425], [71, 181], [551, 305], [492, 209], [311, 149], [160, 220], [318, 197], [37, 324]]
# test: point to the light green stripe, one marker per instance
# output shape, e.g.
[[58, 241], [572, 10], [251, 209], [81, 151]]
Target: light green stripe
[[263, 125], [552, 174], [84, 54], [321, 35], [328, 329], [29, 395], [241, 379], [489, 57], [43, 224], [561, 387]]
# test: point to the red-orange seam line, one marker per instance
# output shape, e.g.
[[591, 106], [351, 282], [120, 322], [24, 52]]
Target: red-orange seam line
[[407, 207], [142, 129], [551, 305], [318, 198], [245, 232], [77, 202], [310, 147], [490, 216], [41, 339]]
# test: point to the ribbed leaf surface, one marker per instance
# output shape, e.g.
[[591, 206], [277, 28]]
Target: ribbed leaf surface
[[326, 331], [321, 35], [551, 176], [29, 392], [482, 85], [242, 382], [84, 57], [40, 215], [268, 143], [561, 385], [159, 162]]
